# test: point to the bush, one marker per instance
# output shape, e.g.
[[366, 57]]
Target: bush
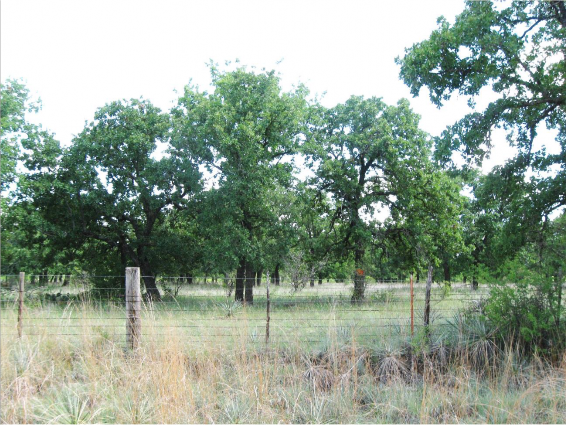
[[528, 312]]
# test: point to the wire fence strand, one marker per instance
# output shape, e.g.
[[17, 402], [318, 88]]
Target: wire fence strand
[[86, 306]]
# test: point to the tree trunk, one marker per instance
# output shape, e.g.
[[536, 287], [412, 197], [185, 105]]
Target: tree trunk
[[320, 279], [312, 281], [276, 276], [149, 282], [359, 278], [258, 277], [359, 288], [475, 282], [250, 279], [476, 256], [446, 267], [240, 279], [67, 279]]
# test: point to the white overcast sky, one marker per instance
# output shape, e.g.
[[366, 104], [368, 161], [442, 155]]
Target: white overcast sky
[[77, 55]]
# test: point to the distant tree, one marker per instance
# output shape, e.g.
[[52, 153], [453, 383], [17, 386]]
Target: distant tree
[[370, 156], [311, 213], [26, 245], [110, 187], [251, 128]]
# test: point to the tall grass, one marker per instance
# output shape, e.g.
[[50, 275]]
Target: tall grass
[[203, 374]]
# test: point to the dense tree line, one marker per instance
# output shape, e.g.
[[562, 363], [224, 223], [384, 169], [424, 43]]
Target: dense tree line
[[217, 185], [225, 194]]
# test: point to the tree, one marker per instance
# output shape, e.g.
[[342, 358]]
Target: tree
[[311, 213], [109, 188], [250, 128], [425, 225], [517, 51], [15, 104], [371, 156], [26, 246]]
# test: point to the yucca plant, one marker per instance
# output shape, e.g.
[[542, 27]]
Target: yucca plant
[[69, 406], [229, 307], [392, 364], [473, 335]]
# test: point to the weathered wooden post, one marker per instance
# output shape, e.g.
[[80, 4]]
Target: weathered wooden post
[[21, 303], [412, 308], [427, 299], [133, 307], [559, 298], [268, 311]]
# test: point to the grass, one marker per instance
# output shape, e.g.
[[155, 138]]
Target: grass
[[202, 361]]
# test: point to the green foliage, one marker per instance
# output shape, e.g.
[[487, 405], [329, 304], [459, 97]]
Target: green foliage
[[525, 311], [107, 192], [516, 50], [27, 245], [528, 302], [382, 297], [251, 129], [371, 157], [15, 104]]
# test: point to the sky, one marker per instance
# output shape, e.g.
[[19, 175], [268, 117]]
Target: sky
[[79, 55]]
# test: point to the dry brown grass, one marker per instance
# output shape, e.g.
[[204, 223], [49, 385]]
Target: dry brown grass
[[174, 378], [96, 380]]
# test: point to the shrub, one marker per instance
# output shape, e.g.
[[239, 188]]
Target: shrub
[[529, 312]]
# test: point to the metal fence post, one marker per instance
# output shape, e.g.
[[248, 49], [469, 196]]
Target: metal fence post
[[133, 307]]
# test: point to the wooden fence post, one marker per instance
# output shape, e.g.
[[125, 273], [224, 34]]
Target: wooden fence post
[[412, 308], [268, 311], [559, 298], [427, 299], [133, 307], [21, 303]]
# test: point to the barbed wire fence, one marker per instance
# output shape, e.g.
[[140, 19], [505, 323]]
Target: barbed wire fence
[[50, 306]]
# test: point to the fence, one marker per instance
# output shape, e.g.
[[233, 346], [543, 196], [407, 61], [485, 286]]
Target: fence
[[206, 314]]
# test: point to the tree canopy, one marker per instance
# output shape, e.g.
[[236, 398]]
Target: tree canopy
[[251, 128], [515, 50], [249, 177]]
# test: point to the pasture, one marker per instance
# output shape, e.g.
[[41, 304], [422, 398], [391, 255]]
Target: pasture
[[204, 358]]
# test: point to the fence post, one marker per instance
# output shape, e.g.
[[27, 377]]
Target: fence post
[[21, 303], [268, 311], [427, 299], [559, 297], [412, 308], [133, 307]]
